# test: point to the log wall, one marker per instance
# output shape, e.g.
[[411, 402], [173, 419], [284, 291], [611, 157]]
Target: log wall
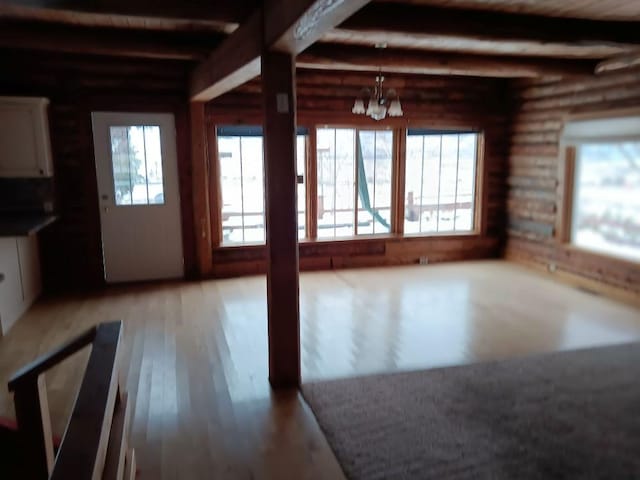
[[326, 98], [535, 186]]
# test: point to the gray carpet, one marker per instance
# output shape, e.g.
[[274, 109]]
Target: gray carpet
[[563, 415]]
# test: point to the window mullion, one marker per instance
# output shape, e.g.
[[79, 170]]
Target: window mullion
[[421, 185], [439, 183], [455, 195], [241, 189]]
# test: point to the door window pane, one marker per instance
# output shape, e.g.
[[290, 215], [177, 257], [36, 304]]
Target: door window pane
[[606, 212], [440, 182], [136, 160]]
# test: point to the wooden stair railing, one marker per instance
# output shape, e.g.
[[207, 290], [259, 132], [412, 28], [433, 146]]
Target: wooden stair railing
[[95, 440]]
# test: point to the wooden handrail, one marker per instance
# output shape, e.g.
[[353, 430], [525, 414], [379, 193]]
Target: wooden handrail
[[49, 360], [82, 453], [84, 445]]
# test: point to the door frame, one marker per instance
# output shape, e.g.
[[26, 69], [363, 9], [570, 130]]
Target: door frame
[[180, 111]]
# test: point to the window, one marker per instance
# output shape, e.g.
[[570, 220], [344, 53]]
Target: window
[[440, 178], [354, 168], [601, 210], [136, 159], [240, 153], [606, 212], [242, 184]]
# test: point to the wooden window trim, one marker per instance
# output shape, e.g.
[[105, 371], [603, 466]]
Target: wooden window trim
[[566, 172], [564, 219], [480, 189]]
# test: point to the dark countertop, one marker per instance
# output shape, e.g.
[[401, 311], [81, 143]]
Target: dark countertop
[[23, 224]]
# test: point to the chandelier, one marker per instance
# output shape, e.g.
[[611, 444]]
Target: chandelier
[[380, 104]]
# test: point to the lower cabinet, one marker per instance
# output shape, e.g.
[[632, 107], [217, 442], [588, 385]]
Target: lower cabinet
[[20, 283]]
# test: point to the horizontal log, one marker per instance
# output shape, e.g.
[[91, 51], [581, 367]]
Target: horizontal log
[[620, 62], [581, 99], [532, 182], [538, 151], [522, 161], [533, 138], [517, 170], [526, 214], [570, 88], [524, 194]]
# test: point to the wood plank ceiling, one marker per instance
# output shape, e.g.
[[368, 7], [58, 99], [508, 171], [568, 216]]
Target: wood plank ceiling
[[495, 38]]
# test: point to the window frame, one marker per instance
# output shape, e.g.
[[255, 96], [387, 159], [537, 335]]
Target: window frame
[[479, 202], [567, 172], [398, 161]]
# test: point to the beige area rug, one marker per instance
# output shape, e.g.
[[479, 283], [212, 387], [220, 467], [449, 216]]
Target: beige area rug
[[565, 415]]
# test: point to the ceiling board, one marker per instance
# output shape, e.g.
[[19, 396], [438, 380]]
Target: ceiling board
[[587, 9]]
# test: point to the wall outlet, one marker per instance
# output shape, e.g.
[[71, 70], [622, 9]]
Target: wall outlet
[[552, 267], [424, 260]]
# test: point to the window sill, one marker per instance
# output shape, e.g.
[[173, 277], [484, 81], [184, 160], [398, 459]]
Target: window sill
[[362, 238]]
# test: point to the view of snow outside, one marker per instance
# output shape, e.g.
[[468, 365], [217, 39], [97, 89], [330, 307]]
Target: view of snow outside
[[440, 183], [136, 159], [606, 212], [242, 183], [336, 154]]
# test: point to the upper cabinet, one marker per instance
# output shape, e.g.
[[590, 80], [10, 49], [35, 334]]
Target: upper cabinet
[[25, 147]]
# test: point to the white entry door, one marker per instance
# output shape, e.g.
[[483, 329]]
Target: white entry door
[[137, 170]]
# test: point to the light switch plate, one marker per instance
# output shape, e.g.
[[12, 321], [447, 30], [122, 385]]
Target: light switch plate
[[282, 100]]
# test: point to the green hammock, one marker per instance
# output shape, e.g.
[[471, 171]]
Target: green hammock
[[363, 188]]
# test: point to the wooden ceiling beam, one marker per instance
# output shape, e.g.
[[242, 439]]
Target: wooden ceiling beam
[[224, 11], [111, 42], [285, 25], [333, 57], [490, 26]]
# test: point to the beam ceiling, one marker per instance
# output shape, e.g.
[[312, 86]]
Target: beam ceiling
[[285, 25], [588, 9], [429, 28]]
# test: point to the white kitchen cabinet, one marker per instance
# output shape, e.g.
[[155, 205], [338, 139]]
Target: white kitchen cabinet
[[11, 299], [25, 146], [29, 257], [20, 283]]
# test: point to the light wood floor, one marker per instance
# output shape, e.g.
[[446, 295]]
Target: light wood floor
[[195, 354]]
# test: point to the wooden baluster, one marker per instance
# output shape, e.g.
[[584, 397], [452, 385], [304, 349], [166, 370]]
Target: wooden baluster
[[34, 427]]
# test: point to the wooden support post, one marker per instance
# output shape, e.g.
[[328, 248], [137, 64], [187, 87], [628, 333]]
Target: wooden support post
[[398, 180], [278, 86], [200, 175], [312, 184], [34, 426]]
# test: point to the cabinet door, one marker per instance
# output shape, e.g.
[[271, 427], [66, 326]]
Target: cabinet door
[[29, 258], [25, 149], [11, 299]]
